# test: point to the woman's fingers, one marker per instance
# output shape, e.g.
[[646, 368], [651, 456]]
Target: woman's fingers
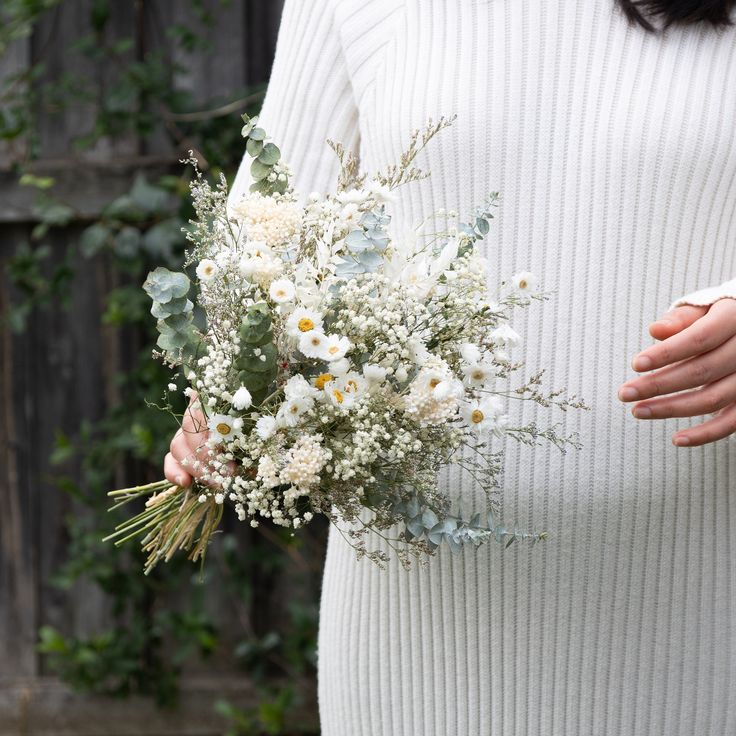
[[701, 335], [175, 473], [722, 425], [675, 321], [708, 400], [690, 373], [194, 424]]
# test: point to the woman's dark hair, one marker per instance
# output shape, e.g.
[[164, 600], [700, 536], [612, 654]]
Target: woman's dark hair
[[679, 12]]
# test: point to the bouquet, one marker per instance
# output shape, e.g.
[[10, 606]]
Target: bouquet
[[339, 367]]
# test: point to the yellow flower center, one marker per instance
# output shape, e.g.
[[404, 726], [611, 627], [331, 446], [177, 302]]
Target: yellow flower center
[[351, 385], [338, 395], [434, 382], [477, 375], [315, 341], [322, 379], [223, 429], [523, 284], [333, 349], [294, 409], [305, 324], [477, 416]]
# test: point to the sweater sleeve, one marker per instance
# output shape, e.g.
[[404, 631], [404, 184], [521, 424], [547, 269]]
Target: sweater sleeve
[[708, 295], [309, 98]]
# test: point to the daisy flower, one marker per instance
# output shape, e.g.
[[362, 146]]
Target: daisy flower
[[222, 427], [334, 347], [282, 290], [524, 281], [303, 320], [313, 343], [485, 416]]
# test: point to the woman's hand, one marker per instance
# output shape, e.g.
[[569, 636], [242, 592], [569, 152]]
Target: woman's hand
[[697, 351], [187, 446]]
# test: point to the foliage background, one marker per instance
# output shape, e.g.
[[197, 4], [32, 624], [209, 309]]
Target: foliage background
[[99, 99]]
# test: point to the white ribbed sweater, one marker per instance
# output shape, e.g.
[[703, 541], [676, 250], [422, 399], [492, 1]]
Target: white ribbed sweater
[[615, 154]]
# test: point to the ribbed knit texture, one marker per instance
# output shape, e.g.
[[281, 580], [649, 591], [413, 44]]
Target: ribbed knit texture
[[615, 154]]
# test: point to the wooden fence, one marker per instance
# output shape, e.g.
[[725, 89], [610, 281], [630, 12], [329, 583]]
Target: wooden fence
[[58, 372]]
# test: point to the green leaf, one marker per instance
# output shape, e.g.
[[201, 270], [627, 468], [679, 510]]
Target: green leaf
[[163, 285], [127, 242], [269, 155], [253, 147], [93, 239], [257, 134], [148, 197], [259, 170]]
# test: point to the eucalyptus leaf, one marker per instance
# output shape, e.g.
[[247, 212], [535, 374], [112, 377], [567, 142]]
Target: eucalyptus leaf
[[269, 155]]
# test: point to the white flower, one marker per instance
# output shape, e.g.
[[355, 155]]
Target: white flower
[[282, 290], [478, 374], [485, 416], [418, 351], [334, 347], [350, 216], [266, 427], [401, 374], [276, 222], [380, 192], [506, 335], [221, 427], [171, 387], [241, 399], [470, 353], [268, 473], [524, 281], [312, 343], [259, 263], [373, 373], [303, 320], [340, 366], [291, 411], [449, 388], [298, 387], [340, 394], [352, 196], [207, 270]]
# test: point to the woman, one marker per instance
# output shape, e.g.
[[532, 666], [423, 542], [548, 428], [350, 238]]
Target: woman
[[613, 144]]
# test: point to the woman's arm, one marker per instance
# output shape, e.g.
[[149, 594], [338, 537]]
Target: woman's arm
[[309, 99]]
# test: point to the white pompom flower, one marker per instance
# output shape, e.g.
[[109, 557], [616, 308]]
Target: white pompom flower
[[505, 335], [374, 374], [242, 399], [266, 427], [469, 352], [207, 269]]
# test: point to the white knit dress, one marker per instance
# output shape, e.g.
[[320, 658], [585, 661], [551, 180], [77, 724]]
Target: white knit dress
[[615, 154]]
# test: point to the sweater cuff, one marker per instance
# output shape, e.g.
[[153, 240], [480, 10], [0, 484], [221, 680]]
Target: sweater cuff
[[705, 297]]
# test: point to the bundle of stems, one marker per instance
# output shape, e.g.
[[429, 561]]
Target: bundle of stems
[[174, 518]]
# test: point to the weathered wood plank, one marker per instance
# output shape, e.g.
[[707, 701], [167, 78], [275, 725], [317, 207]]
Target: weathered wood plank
[[18, 542], [16, 61]]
